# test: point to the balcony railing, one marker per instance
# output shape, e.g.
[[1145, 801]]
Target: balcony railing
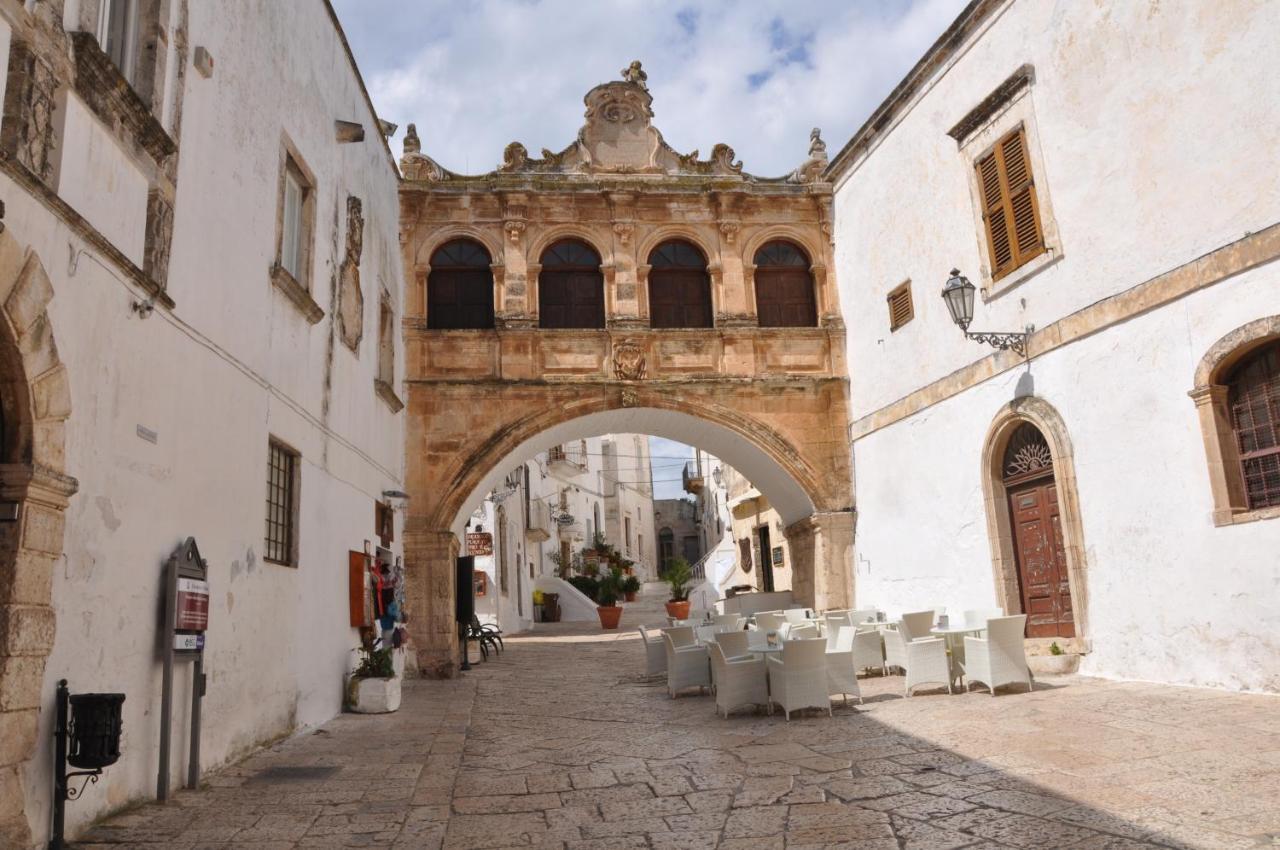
[[572, 455], [692, 478]]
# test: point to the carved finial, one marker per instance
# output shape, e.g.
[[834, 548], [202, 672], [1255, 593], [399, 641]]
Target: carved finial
[[811, 170], [412, 144], [816, 145], [633, 73]]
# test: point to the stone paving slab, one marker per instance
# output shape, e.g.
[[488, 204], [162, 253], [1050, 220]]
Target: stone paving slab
[[561, 742]]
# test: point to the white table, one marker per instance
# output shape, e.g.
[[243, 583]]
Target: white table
[[954, 635]]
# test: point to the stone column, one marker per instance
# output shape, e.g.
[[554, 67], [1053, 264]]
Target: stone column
[[431, 577], [822, 559]]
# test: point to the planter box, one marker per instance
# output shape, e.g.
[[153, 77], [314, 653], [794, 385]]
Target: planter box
[[373, 696], [1054, 665]]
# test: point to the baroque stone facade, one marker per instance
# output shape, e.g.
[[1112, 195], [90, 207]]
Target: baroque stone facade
[[479, 396]]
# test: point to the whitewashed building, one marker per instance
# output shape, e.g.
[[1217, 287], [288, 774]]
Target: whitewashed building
[[1100, 172], [201, 285]]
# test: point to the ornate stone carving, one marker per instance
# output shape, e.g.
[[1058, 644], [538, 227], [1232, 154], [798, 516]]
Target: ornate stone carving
[[623, 230], [159, 236], [350, 297], [629, 398], [415, 164], [27, 130], [514, 229], [729, 230], [812, 169], [633, 73], [628, 361], [412, 144]]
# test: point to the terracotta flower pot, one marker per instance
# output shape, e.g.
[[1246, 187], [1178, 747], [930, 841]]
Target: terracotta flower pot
[[609, 615], [629, 596], [679, 610]]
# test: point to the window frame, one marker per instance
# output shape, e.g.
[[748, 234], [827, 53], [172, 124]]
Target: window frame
[[290, 510], [772, 274], [438, 269], [127, 62], [1018, 111], [688, 275], [297, 286], [898, 291]]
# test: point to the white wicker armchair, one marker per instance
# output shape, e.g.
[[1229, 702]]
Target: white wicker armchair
[[842, 672], [868, 649], [796, 616], [686, 661], [734, 644], [895, 650], [802, 631], [769, 622], [739, 681], [1000, 658], [927, 664], [655, 652], [798, 679]]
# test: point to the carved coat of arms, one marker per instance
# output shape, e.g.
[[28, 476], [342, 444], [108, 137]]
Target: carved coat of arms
[[628, 361]]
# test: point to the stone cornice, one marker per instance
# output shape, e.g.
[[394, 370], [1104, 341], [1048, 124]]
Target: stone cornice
[[108, 94]]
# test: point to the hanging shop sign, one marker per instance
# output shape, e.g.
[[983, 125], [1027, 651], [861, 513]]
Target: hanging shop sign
[[479, 543], [192, 614]]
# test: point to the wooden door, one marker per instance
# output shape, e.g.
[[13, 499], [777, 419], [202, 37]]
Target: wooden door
[[679, 298], [766, 559], [571, 299], [785, 299], [1041, 557]]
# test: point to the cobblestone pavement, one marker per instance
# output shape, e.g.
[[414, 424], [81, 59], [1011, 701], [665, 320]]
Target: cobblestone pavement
[[561, 743]]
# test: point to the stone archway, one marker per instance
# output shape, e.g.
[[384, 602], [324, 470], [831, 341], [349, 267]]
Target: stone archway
[[1050, 424], [34, 491]]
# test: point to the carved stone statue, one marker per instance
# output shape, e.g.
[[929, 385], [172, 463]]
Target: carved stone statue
[[633, 73], [811, 170], [412, 144]]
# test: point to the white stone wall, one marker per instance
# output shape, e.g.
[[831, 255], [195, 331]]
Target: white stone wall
[[1150, 121], [232, 365]]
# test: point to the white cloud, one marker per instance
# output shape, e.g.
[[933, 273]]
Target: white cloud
[[757, 75]]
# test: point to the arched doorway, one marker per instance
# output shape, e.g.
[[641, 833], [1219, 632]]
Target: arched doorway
[[1033, 520], [1038, 546], [666, 549]]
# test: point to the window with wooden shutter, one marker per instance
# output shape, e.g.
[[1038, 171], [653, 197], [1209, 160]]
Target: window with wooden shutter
[[1254, 400], [901, 310], [1009, 208]]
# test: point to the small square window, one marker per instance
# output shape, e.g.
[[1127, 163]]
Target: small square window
[[901, 309], [294, 229], [282, 505]]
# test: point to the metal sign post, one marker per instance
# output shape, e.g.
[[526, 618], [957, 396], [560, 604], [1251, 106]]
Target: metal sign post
[[186, 617]]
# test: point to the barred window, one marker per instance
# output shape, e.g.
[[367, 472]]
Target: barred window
[[282, 503], [1254, 399]]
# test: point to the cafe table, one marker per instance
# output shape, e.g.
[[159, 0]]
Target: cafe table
[[954, 635]]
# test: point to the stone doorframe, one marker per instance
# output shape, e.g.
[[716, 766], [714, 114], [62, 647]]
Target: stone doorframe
[[37, 402], [1004, 561]]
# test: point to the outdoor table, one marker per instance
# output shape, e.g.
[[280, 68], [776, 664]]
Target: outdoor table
[[954, 635]]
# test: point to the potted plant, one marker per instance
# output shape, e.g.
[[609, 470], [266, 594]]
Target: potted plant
[[630, 587], [607, 593], [1057, 663], [679, 576], [374, 687]]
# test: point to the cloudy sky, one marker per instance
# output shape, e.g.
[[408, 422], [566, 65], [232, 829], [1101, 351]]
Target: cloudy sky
[[757, 74]]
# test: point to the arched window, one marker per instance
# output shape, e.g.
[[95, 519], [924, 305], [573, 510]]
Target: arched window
[[784, 287], [679, 287], [460, 287], [570, 287], [1253, 393]]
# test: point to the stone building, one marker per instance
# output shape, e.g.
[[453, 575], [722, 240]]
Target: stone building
[[201, 285], [619, 286], [763, 557], [1092, 170]]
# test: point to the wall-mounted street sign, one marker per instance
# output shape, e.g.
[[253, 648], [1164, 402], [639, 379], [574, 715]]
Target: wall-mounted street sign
[[479, 543]]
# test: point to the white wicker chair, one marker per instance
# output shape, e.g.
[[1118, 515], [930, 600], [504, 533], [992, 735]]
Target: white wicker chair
[[795, 616], [686, 661], [739, 681], [832, 621], [655, 652], [868, 650], [895, 650], [927, 664], [842, 672], [803, 631], [862, 615], [769, 622], [735, 620], [978, 616], [798, 679], [734, 644], [704, 634], [916, 625], [1000, 658]]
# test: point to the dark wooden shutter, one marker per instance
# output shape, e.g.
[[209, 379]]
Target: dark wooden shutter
[[901, 310], [1009, 208], [784, 287], [570, 287], [679, 287], [460, 287]]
